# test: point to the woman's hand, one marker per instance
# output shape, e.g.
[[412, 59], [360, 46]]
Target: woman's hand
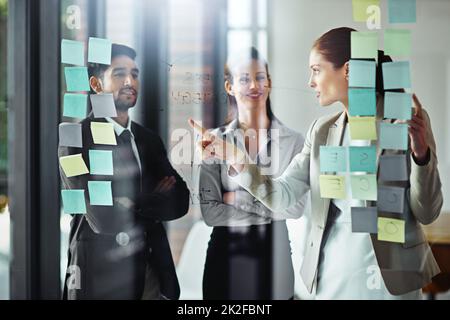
[[418, 134], [229, 198]]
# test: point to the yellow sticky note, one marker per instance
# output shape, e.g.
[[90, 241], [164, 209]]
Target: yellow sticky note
[[103, 133], [73, 165], [392, 230], [360, 12], [363, 128], [332, 186]]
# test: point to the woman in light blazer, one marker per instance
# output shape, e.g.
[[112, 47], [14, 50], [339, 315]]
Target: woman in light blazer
[[249, 253], [339, 263]]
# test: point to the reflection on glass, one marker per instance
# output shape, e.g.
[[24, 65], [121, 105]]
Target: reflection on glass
[[238, 39], [239, 13]]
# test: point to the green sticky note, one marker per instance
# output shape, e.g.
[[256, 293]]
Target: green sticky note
[[363, 128], [364, 187], [360, 9], [103, 133], [364, 45], [101, 162], [362, 73], [402, 11], [397, 42], [77, 78], [363, 159], [73, 201], [392, 230], [72, 52], [99, 51], [362, 102], [73, 165], [75, 105], [394, 136], [396, 75], [100, 193], [398, 105], [332, 187], [333, 159]]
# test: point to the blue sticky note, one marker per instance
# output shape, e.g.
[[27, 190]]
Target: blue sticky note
[[99, 51], [363, 159], [101, 162], [398, 105], [72, 52], [77, 78], [394, 136], [333, 159], [362, 73], [100, 193], [73, 201], [75, 105], [402, 11], [362, 102], [396, 75]]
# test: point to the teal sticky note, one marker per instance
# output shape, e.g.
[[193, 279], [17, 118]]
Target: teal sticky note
[[363, 159], [77, 78], [333, 159], [394, 136], [72, 52], [73, 201], [362, 102], [101, 162], [398, 105], [100, 193], [364, 186], [75, 105], [364, 45], [99, 51], [396, 75], [402, 11], [362, 73], [397, 42]]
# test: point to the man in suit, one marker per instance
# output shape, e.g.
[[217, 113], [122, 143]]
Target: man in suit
[[121, 251]]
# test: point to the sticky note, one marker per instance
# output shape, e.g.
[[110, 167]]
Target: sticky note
[[73, 165], [392, 230], [364, 45], [363, 128], [73, 201], [394, 136], [364, 186], [101, 162], [396, 75], [364, 219], [77, 78], [362, 102], [397, 42], [391, 199], [393, 168], [333, 159], [72, 52], [362, 73], [398, 105], [99, 51], [332, 186], [70, 135], [103, 133], [402, 11], [363, 159], [103, 105], [100, 193], [75, 105], [360, 9]]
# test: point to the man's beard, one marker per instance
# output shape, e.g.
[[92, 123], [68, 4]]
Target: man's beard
[[124, 105]]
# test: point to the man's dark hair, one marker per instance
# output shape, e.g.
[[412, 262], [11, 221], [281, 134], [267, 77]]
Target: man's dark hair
[[98, 70]]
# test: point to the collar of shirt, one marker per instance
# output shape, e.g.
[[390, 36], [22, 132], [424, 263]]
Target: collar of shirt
[[118, 129]]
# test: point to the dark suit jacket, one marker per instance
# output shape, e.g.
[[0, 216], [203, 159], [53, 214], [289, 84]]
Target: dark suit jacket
[[111, 266]]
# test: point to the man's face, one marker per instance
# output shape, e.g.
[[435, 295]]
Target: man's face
[[122, 80]]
